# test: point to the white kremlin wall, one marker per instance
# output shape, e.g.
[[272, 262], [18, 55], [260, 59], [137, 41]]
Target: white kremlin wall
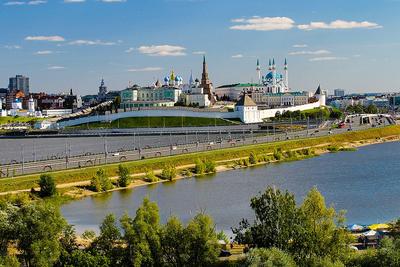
[[246, 114]]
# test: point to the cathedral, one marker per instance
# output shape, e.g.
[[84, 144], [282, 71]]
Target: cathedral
[[274, 82]]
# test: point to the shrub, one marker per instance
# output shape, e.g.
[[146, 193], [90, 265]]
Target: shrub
[[253, 158], [150, 177], [333, 149], [269, 257], [210, 166], [47, 186], [100, 182], [278, 154], [168, 173], [200, 167], [124, 177], [245, 162]]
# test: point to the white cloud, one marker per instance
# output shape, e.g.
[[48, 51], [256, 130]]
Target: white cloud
[[147, 69], [300, 46], [44, 52], [339, 24], [327, 58], [237, 56], [316, 52], [21, 3], [263, 24], [56, 68], [55, 38], [113, 1], [36, 2], [91, 42], [14, 3], [199, 53], [12, 47], [162, 50], [130, 50]]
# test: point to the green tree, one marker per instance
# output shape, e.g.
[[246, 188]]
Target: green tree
[[47, 185], [107, 242], [371, 109], [101, 182], [324, 232], [271, 257], [202, 241], [200, 167], [168, 173], [81, 258], [174, 245], [276, 221], [124, 176], [253, 158], [38, 229], [9, 261], [210, 166], [142, 235]]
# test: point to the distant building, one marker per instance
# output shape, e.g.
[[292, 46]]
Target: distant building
[[288, 99], [195, 96], [101, 96], [339, 92], [19, 83]]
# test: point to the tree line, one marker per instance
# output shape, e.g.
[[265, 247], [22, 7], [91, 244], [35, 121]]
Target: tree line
[[281, 233]]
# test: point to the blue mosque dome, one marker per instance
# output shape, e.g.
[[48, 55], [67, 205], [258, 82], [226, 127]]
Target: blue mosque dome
[[166, 79], [272, 75], [177, 79]]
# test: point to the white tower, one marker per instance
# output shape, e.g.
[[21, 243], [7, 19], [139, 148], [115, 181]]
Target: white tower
[[274, 75], [286, 75], [258, 69], [31, 105]]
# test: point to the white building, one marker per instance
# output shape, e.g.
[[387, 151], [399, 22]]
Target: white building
[[56, 112]]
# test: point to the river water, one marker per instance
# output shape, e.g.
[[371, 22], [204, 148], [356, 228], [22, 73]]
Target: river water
[[365, 183]]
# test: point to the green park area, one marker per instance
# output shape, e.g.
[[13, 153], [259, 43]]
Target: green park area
[[156, 122]]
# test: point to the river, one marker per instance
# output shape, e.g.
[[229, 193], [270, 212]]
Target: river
[[365, 183]]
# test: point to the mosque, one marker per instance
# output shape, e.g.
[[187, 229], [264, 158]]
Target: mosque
[[273, 81]]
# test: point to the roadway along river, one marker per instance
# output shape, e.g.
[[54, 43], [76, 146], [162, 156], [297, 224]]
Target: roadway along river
[[366, 183]]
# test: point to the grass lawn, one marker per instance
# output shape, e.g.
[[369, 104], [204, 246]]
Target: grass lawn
[[6, 120], [156, 122], [76, 175]]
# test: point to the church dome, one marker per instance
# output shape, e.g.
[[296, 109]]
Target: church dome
[[177, 79], [166, 79]]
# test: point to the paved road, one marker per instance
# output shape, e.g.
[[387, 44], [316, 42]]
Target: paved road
[[24, 156]]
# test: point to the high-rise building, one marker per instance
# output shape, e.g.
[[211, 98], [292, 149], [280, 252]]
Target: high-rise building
[[19, 83], [339, 92]]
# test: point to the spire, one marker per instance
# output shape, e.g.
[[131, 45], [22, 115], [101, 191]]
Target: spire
[[318, 92], [269, 65], [286, 65], [191, 78], [258, 65], [273, 63]]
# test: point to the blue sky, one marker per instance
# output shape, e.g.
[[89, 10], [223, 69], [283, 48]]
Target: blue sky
[[62, 44]]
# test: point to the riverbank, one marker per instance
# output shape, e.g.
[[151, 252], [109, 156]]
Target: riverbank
[[73, 182]]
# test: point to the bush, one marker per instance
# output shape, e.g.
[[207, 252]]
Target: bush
[[253, 158], [89, 235], [150, 177], [269, 257], [100, 182], [278, 154], [245, 162], [210, 166], [124, 177], [47, 186], [200, 167], [168, 173]]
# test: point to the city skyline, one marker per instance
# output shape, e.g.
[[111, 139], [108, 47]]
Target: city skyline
[[75, 43]]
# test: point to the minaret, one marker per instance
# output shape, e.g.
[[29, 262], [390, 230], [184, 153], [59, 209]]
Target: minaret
[[286, 75], [258, 69], [269, 65], [274, 75]]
